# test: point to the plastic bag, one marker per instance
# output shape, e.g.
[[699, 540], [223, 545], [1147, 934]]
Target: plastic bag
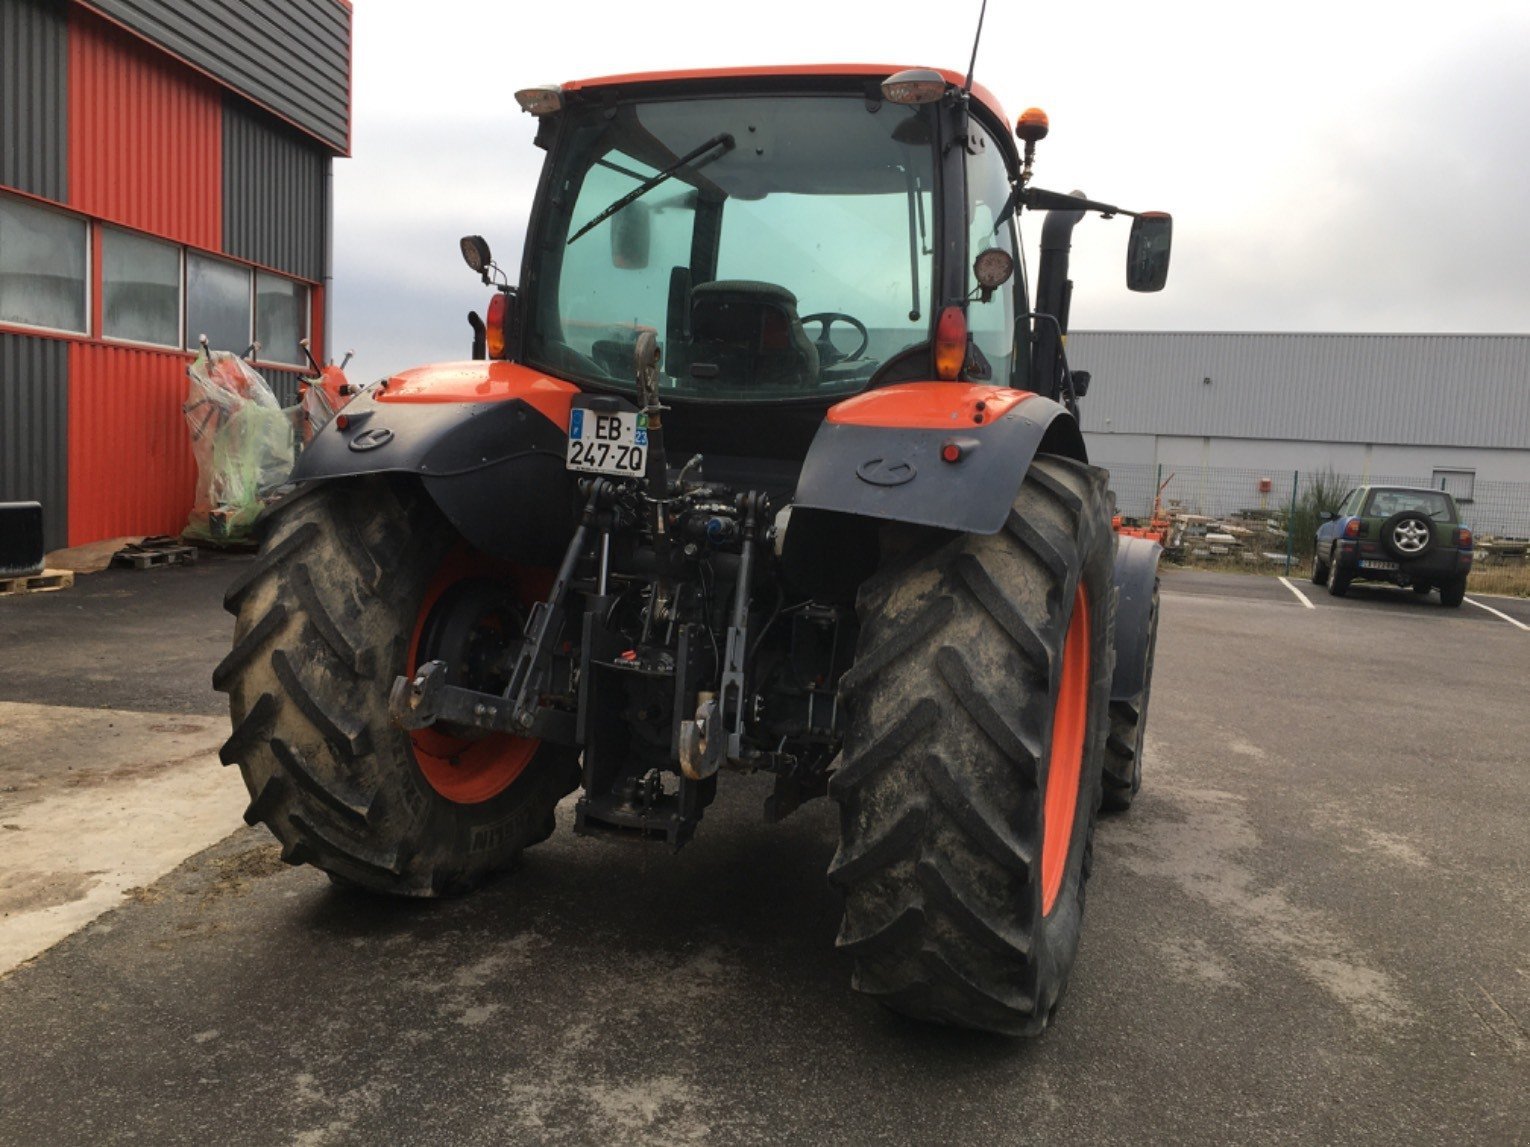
[[243, 443]]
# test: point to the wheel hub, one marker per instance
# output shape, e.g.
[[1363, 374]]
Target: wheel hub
[[1070, 722], [1410, 537], [471, 618]]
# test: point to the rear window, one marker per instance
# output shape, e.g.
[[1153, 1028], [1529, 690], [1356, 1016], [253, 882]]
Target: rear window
[[1435, 503]]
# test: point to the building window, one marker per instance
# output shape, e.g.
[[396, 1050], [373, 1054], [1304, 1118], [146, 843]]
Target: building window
[[140, 289], [281, 318], [1457, 483], [217, 304], [42, 267]]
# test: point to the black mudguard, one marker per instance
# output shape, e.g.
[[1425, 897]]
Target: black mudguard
[[1136, 576], [897, 474], [858, 478], [494, 468]]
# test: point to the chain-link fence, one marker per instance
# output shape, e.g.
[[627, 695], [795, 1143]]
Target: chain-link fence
[[1267, 520]]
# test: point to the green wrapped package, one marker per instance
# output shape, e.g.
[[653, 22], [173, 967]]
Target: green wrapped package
[[243, 443]]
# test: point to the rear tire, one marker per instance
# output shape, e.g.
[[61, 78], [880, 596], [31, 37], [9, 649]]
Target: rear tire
[[1453, 592], [1422, 590], [1319, 570], [1338, 580], [1121, 773], [326, 619], [969, 661]]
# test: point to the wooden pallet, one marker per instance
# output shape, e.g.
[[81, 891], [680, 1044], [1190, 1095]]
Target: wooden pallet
[[44, 582], [158, 551]]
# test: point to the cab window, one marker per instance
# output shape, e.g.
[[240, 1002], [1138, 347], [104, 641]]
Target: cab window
[[992, 324]]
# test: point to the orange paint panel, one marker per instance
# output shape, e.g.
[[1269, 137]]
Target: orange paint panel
[[927, 405], [131, 469], [489, 380], [145, 136]]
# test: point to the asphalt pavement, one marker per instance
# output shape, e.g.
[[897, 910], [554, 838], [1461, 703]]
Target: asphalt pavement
[[1312, 927]]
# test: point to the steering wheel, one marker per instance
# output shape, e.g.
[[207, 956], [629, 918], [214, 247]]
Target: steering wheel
[[828, 353]]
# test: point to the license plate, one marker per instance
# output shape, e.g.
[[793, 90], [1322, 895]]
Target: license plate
[[1374, 565], [601, 443]]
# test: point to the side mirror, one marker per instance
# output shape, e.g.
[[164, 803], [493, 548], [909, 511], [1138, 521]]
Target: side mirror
[[1080, 379], [631, 236], [1147, 252], [475, 253], [1327, 516]]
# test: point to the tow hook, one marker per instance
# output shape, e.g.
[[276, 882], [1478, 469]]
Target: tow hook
[[702, 740]]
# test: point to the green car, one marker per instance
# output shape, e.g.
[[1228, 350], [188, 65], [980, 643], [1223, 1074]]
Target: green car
[[1406, 535]]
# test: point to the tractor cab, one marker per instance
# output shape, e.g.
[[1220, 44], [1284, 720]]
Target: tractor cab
[[790, 238]]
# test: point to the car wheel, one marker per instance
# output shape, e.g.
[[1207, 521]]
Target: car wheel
[[1319, 569], [1338, 580], [1453, 592], [1407, 535], [1422, 589]]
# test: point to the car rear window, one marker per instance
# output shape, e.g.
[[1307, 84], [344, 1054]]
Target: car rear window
[[1385, 503]]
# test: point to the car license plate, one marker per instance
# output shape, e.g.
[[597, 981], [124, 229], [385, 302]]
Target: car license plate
[[1367, 564], [602, 443]]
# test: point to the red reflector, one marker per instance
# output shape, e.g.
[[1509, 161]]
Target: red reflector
[[951, 452], [342, 420], [499, 308], [950, 344]]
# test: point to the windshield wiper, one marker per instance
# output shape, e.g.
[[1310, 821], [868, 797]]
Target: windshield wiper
[[724, 140]]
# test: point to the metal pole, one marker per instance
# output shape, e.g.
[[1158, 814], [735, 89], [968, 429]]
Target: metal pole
[[1291, 520]]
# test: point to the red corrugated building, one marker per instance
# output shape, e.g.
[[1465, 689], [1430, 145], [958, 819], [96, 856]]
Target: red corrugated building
[[164, 173]]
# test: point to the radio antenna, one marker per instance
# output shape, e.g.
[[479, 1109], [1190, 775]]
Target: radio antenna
[[972, 67]]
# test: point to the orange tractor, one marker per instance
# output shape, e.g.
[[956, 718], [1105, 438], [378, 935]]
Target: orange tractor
[[767, 460]]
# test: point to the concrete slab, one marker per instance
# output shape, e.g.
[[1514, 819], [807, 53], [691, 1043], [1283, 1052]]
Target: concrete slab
[[95, 804]]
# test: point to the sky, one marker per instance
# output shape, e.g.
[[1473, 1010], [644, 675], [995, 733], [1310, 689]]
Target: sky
[[1339, 166]]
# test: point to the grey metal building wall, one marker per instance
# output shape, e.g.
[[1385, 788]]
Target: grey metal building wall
[[283, 383], [34, 428], [292, 56], [1427, 390], [273, 192], [33, 97]]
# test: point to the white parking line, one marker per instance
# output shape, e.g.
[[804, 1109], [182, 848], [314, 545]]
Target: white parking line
[[1300, 596], [1495, 613]]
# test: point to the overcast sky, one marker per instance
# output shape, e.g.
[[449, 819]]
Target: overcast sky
[[1346, 165]]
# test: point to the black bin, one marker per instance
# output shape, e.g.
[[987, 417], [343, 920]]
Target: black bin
[[21, 538]]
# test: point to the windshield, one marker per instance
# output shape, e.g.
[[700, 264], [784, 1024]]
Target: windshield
[[777, 248], [1385, 503]]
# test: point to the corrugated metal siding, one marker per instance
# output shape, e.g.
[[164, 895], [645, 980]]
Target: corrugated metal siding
[[131, 469], [144, 136], [273, 193], [283, 383], [33, 63], [34, 406], [292, 56], [1440, 390]]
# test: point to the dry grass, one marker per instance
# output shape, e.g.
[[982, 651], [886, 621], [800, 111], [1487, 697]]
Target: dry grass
[[1510, 579]]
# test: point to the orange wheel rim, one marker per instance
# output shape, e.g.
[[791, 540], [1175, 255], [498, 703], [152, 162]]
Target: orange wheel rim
[[1070, 721], [462, 769]]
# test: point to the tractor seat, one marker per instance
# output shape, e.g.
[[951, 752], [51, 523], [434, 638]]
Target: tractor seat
[[748, 332]]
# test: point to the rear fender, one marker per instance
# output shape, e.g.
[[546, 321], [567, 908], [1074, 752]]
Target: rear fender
[[1136, 576], [486, 439], [879, 455], [878, 459]]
